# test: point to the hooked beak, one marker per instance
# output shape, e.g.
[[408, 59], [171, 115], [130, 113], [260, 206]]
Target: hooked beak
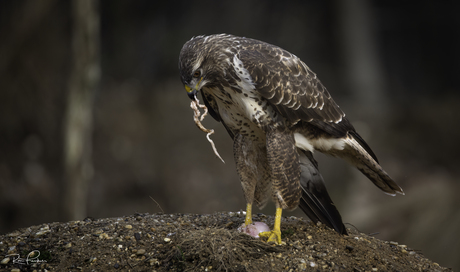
[[191, 92]]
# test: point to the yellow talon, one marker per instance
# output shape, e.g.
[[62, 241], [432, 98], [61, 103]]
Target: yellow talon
[[275, 234]]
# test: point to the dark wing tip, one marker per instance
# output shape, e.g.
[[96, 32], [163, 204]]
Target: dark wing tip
[[315, 201]]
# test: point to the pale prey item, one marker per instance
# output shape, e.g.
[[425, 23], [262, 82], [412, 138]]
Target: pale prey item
[[195, 104], [254, 229]]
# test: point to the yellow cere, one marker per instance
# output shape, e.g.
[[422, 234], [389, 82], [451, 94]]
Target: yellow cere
[[189, 90]]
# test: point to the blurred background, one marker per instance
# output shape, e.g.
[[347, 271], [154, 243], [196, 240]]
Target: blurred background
[[94, 120]]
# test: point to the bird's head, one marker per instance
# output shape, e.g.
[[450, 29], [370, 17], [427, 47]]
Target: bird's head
[[192, 66], [200, 65], [194, 83]]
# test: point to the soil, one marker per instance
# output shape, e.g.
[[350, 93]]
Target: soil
[[193, 242]]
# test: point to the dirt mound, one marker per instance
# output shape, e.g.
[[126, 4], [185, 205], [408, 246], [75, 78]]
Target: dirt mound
[[219, 249], [189, 242]]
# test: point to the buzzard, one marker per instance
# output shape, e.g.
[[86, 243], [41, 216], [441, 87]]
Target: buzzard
[[278, 113]]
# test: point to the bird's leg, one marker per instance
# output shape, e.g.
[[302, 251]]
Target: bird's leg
[[275, 234], [248, 219]]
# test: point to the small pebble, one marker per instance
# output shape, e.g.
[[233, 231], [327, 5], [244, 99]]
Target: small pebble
[[167, 240], [68, 245], [140, 251], [11, 249], [297, 245], [393, 243], [14, 234], [302, 266], [43, 230], [154, 262], [137, 235], [5, 261], [99, 231], [128, 227]]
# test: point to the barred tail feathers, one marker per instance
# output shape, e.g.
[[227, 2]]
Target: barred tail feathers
[[357, 154]]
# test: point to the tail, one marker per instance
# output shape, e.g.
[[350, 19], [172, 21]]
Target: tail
[[315, 201], [358, 153]]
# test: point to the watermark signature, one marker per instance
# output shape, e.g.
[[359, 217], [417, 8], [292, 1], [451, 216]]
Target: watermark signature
[[32, 257]]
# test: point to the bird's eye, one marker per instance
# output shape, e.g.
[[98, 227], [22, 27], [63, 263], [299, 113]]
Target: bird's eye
[[197, 74]]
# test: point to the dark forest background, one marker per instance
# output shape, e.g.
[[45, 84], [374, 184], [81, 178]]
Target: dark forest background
[[103, 76]]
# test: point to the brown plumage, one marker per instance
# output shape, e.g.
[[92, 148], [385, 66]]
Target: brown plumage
[[278, 113]]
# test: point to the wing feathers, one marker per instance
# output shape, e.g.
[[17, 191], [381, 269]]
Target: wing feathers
[[289, 85], [315, 201]]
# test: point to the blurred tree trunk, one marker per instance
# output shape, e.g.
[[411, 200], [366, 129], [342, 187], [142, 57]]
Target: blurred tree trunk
[[365, 78], [363, 68], [83, 83]]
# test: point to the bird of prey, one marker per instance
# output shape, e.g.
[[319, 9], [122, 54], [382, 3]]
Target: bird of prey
[[278, 113]]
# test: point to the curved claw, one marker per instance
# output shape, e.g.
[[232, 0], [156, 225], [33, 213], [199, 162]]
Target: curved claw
[[273, 236]]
